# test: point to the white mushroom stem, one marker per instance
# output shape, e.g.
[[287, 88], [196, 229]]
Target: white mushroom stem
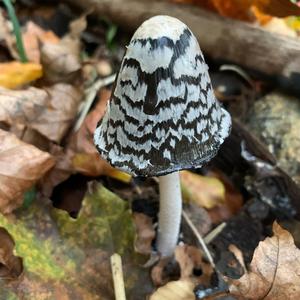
[[169, 213]]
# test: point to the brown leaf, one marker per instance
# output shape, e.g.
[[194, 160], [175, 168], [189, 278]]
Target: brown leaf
[[61, 61], [21, 165], [50, 111], [145, 233], [274, 271], [62, 170], [32, 37], [10, 265], [22, 106], [58, 115]]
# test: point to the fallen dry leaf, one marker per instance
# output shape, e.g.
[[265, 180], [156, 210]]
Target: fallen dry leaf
[[61, 61], [21, 106], [10, 265], [274, 270], [14, 74], [58, 115], [33, 36], [145, 233], [50, 111], [65, 258], [207, 192], [175, 290], [21, 165]]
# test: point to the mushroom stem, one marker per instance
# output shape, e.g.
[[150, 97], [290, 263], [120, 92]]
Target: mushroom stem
[[169, 213]]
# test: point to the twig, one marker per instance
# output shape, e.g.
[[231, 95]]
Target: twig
[[12, 15], [91, 93], [214, 233], [199, 238], [117, 273]]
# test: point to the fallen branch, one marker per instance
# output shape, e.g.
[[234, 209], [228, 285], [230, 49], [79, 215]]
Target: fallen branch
[[219, 37]]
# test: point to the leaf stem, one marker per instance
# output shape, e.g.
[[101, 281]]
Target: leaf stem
[[12, 15]]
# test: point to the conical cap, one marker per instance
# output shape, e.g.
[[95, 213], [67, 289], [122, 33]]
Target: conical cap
[[162, 116]]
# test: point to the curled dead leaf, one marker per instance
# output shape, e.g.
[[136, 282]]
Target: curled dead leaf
[[58, 115], [274, 270], [50, 111], [21, 106], [21, 165], [61, 61]]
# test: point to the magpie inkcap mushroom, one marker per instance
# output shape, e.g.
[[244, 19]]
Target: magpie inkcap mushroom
[[162, 116]]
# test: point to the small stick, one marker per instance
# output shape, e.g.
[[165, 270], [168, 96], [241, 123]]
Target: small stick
[[199, 238], [117, 273], [214, 233], [90, 96]]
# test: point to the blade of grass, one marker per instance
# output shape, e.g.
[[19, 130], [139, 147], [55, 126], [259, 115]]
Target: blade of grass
[[12, 15]]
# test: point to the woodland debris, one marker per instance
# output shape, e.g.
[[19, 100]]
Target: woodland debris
[[235, 40], [274, 270]]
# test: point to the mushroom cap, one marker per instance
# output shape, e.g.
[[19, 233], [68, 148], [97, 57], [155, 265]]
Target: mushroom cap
[[162, 116]]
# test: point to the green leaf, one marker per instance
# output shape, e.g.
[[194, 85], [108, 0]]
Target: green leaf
[[66, 258]]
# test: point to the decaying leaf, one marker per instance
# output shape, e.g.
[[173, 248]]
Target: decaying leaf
[[21, 106], [179, 290], [207, 192], [274, 271], [10, 265], [21, 165], [65, 258], [61, 61], [58, 115], [50, 111], [32, 37], [145, 233], [14, 74]]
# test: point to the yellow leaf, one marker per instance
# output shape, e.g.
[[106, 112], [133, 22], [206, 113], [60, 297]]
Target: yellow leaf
[[293, 22], [207, 192], [179, 290], [14, 74]]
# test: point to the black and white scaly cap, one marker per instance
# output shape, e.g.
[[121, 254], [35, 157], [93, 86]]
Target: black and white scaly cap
[[163, 115]]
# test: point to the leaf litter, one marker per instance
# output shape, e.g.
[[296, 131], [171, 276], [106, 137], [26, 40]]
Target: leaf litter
[[46, 254]]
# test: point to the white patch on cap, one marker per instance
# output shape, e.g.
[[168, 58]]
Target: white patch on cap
[[129, 73], [160, 26], [149, 59], [166, 90], [187, 64]]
